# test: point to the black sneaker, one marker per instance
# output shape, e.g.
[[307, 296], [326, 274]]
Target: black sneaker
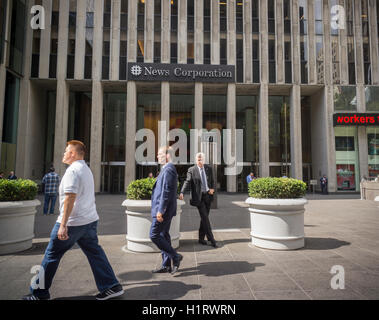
[[32, 297], [177, 263], [162, 270], [113, 292]]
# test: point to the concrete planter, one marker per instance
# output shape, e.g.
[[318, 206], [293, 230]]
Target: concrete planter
[[139, 222], [17, 225], [277, 224]]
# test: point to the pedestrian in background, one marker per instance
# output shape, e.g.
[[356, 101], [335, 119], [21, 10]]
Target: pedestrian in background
[[12, 176], [50, 184], [324, 184]]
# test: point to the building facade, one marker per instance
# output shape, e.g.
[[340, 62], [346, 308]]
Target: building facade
[[298, 64]]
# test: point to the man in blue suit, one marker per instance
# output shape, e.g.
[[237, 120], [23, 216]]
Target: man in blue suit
[[163, 209]]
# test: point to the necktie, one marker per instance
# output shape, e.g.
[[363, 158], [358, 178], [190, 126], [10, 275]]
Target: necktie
[[203, 180]]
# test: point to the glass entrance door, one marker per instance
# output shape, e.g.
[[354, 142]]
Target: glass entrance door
[[113, 177]]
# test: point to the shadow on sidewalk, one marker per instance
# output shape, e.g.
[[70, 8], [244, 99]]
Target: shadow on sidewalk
[[219, 268], [164, 290], [193, 245], [323, 243]]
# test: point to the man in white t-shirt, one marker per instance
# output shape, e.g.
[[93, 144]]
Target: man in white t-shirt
[[77, 223]]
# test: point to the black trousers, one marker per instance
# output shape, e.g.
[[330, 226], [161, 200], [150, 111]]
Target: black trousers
[[205, 226]]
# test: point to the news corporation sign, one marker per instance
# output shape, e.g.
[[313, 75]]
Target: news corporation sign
[[180, 72]]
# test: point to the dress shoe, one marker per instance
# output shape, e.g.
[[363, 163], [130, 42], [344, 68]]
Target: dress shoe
[[177, 263], [162, 270], [203, 242], [214, 244]]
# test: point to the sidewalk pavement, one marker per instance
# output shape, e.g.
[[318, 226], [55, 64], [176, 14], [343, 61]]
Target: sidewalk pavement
[[340, 230]]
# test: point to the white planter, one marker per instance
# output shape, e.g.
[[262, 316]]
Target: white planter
[[139, 222], [17, 225], [277, 224]]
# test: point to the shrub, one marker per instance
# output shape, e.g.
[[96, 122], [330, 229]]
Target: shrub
[[142, 189], [17, 190], [277, 188]]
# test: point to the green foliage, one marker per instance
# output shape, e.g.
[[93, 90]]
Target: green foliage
[[277, 188], [17, 190], [142, 189]]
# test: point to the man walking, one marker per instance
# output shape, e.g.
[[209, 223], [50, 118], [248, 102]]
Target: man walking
[[77, 223], [51, 185], [200, 181], [163, 209]]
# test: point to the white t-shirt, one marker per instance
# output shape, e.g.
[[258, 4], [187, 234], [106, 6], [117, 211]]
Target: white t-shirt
[[78, 179]]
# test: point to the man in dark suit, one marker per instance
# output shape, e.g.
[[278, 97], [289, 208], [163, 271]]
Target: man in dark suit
[[163, 209], [200, 181]]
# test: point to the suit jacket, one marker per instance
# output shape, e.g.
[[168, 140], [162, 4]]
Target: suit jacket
[[164, 196], [193, 182]]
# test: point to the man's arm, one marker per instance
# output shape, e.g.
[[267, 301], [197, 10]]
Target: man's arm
[[187, 183], [68, 205], [167, 188]]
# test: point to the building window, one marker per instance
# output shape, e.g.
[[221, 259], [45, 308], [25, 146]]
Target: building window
[[288, 62], [223, 52], [239, 60], [350, 39], [36, 46], [347, 161], [140, 31], [124, 16], [54, 39], [256, 68], [366, 42], [106, 39], [345, 98], [174, 16], [207, 33], [3, 10], [303, 19], [190, 31], [157, 30], [17, 37], [255, 16], [271, 16], [71, 40], [239, 16], [223, 16], [89, 39], [123, 41], [271, 61], [372, 98], [287, 16]]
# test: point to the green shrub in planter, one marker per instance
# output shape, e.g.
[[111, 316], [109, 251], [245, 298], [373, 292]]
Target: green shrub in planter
[[142, 189], [17, 190], [277, 188]]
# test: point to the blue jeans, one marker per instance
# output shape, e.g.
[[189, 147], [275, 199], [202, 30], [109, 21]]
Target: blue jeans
[[86, 237], [48, 198], [159, 234]]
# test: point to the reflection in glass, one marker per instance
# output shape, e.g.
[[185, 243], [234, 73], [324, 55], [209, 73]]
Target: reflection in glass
[[372, 98], [373, 151], [345, 98]]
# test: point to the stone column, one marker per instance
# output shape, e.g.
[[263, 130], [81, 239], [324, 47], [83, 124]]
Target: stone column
[[115, 40], [24, 140], [62, 102], [199, 56], [149, 32], [97, 97], [359, 69], [182, 31], [165, 58], [264, 154], [342, 38], [215, 32], [374, 54], [131, 101], [231, 180], [45, 41], [296, 142], [80, 39], [279, 50], [295, 41], [362, 134], [131, 128], [247, 42], [264, 151], [312, 64]]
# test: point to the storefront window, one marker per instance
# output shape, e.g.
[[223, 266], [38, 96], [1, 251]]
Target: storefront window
[[372, 98], [247, 120], [279, 131], [373, 151], [347, 160], [345, 98]]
